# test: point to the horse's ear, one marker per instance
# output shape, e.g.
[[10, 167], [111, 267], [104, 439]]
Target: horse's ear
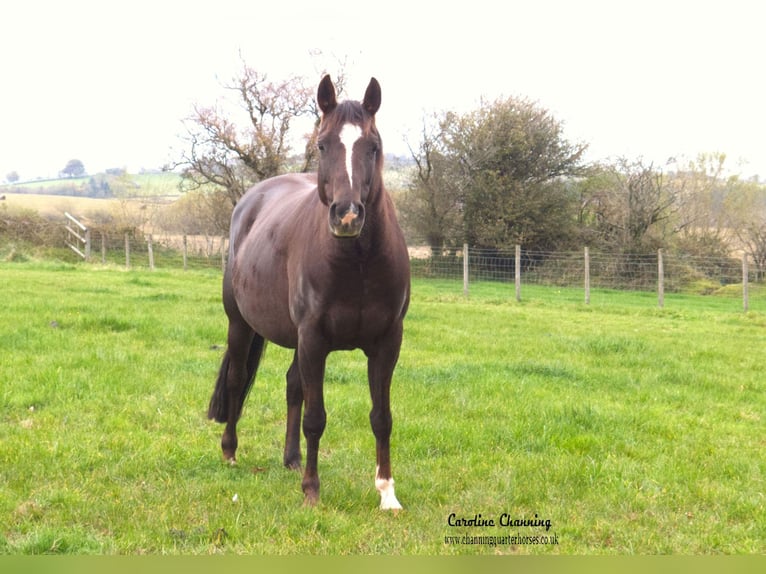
[[371, 101], [326, 95]]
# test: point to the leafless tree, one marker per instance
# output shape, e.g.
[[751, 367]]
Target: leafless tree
[[232, 148], [629, 204], [431, 205]]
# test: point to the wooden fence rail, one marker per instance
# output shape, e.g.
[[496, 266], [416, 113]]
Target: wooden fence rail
[[78, 240]]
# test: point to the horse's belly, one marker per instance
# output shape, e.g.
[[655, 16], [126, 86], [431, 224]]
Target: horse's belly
[[261, 294], [261, 317], [275, 329]]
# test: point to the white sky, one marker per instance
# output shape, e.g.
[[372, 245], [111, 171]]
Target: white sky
[[109, 82]]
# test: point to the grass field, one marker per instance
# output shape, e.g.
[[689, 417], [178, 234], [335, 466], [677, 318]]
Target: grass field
[[616, 428]]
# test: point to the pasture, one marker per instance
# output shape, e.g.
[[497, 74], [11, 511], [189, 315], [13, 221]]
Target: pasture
[[614, 428]]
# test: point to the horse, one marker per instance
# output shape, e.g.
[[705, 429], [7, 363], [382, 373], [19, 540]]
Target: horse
[[318, 263]]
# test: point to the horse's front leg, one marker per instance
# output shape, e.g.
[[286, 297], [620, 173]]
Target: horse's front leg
[[380, 369], [292, 456], [311, 363]]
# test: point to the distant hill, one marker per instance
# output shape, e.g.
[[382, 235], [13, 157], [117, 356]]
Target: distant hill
[[397, 172], [102, 185]]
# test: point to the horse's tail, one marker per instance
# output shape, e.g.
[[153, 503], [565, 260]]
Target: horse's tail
[[219, 402]]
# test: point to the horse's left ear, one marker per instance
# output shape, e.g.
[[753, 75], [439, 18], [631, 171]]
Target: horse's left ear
[[371, 102]]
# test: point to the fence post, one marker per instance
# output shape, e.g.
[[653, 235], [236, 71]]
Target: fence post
[[660, 280], [87, 245], [150, 247], [518, 273], [745, 285], [127, 250], [223, 254], [465, 269], [587, 276], [103, 248], [185, 251]]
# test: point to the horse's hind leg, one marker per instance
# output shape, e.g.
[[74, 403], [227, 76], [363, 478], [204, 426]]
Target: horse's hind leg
[[234, 381], [292, 456]]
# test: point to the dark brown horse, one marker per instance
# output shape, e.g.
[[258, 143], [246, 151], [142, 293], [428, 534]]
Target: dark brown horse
[[318, 263]]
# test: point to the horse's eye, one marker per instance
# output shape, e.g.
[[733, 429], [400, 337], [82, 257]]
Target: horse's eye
[[320, 147]]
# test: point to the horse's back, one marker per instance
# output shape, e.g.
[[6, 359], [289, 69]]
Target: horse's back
[[272, 199]]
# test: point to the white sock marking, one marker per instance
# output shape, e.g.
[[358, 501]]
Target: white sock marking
[[385, 486]]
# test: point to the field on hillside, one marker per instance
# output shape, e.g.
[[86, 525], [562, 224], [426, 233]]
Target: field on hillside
[[540, 427], [56, 205], [47, 198]]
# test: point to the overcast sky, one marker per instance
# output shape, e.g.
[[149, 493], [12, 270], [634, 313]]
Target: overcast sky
[[109, 82]]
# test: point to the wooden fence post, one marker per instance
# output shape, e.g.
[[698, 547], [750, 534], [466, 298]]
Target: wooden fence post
[[186, 251], [660, 280], [223, 254], [745, 285], [127, 250], [150, 248], [587, 276], [103, 248], [518, 273], [465, 269]]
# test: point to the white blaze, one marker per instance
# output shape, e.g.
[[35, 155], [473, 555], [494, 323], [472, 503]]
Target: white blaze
[[348, 137]]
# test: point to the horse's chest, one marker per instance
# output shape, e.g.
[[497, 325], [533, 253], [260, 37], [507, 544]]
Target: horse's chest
[[347, 305], [351, 326], [356, 316]]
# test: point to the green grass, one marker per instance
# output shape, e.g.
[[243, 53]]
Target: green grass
[[634, 430]]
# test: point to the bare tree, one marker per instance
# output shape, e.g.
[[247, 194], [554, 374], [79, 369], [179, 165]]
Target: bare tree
[[629, 205], [234, 149], [746, 212], [700, 223], [431, 205]]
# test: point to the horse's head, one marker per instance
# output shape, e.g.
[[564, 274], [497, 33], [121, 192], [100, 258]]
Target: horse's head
[[350, 156]]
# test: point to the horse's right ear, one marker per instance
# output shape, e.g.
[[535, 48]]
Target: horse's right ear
[[326, 95]]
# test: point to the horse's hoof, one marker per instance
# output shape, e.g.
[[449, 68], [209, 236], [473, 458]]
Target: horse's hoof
[[310, 500], [293, 464]]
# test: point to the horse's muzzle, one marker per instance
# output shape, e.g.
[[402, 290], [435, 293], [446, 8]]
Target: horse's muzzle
[[346, 220]]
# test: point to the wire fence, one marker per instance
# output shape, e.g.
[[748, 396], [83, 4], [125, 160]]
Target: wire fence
[[661, 272], [166, 251], [567, 268]]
